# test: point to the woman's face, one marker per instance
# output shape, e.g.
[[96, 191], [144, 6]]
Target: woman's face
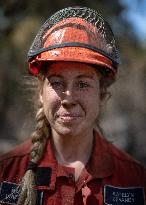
[[71, 98]]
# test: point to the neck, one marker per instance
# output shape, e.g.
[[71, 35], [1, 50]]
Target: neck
[[71, 149]]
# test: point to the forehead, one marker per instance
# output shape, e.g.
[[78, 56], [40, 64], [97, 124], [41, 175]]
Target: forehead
[[72, 69]]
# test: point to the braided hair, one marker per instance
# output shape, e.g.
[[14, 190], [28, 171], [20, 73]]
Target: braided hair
[[39, 140]]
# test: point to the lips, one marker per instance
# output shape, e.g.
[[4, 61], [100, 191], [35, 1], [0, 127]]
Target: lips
[[69, 114], [68, 117]]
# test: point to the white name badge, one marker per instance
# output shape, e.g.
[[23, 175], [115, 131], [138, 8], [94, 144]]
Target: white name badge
[[123, 196]]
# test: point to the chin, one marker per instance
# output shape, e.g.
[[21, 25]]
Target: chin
[[69, 129], [66, 131]]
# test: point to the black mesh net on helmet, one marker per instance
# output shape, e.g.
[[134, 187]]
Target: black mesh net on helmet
[[101, 26]]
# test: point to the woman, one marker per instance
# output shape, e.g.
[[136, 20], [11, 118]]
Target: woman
[[68, 162]]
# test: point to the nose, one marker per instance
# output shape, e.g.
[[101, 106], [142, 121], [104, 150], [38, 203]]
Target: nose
[[69, 99]]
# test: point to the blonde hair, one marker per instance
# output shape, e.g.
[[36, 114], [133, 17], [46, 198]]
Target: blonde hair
[[39, 140]]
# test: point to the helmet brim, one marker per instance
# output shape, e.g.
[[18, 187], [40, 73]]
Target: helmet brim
[[74, 54]]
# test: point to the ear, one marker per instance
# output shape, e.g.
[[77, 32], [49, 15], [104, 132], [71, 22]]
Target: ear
[[102, 102]]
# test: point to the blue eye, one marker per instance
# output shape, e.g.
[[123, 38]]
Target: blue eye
[[83, 85]]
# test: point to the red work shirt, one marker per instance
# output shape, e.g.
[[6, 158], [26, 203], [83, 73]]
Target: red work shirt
[[110, 177]]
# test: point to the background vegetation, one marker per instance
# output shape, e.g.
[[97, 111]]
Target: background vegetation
[[124, 116]]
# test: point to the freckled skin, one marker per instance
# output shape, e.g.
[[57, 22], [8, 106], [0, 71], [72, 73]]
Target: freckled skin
[[71, 98]]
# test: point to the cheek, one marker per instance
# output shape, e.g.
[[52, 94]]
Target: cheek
[[51, 102], [92, 104]]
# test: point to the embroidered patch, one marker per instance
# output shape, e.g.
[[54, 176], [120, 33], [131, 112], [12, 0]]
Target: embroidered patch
[[123, 196], [9, 193]]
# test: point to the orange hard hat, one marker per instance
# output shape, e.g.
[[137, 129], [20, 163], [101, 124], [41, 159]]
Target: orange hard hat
[[75, 34]]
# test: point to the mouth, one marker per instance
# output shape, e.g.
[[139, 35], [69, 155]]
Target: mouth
[[69, 117]]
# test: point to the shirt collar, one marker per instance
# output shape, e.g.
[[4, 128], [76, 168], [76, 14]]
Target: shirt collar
[[57, 170], [100, 164]]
